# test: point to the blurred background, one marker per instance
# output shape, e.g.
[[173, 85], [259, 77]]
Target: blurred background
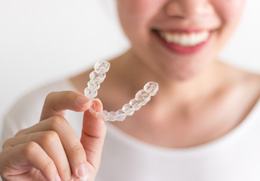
[[43, 41]]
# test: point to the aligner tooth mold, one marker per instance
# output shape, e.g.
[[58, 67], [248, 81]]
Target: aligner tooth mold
[[102, 67], [142, 97]]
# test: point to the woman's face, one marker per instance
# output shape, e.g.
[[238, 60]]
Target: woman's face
[[178, 37]]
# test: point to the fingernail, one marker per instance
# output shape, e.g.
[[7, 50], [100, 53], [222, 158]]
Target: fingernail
[[57, 178], [97, 108], [82, 172]]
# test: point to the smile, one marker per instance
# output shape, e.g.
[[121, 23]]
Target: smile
[[185, 39], [182, 42]]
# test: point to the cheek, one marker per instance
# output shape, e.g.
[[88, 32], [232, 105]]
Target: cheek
[[134, 5], [136, 14], [230, 10], [132, 11]]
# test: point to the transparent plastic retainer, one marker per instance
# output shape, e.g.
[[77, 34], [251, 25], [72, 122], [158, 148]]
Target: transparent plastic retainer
[[142, 97]]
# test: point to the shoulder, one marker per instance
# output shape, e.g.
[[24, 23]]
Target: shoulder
[[242, 79], [252, 82], [241, 89]]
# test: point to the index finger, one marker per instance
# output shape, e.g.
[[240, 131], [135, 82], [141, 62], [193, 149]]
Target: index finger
[[57, 102]]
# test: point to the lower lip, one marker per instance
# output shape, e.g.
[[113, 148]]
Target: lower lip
[[184, 50]]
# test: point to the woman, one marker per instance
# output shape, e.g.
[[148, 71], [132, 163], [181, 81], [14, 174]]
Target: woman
[[202, 125]]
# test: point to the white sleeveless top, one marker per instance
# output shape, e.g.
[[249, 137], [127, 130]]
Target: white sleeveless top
[[233, 157]]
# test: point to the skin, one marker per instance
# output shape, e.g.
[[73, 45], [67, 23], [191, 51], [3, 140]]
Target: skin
[[139, 17], [50, 150], [200, 97], [194, 88]]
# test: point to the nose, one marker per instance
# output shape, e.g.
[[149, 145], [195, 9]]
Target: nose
[[186, 9]]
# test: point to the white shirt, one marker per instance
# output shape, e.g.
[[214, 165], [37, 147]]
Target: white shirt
[[233, 157]]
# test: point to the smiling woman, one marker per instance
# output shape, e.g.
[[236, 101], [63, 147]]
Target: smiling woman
[[202, 125], [209, 24]]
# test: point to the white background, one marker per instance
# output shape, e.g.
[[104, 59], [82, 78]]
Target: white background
[[41, 41]]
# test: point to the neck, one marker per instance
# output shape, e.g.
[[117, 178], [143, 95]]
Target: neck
[[135, 74]]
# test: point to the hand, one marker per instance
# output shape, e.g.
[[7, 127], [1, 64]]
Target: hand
[[50, 150]]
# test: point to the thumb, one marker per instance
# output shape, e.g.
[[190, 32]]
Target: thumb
[[93, 133]]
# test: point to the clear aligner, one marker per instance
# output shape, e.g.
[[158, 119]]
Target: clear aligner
[[141, 98], [97, 76]]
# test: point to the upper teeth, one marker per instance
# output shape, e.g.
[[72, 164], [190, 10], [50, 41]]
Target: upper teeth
[[185, 39]]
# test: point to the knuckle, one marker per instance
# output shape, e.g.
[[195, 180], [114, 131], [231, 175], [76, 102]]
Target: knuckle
[[77, 150], [50, 96], [57, 121], [48, 167], [49, 137], [30, 148]]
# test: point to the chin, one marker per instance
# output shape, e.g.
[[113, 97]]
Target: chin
[[184, 73]]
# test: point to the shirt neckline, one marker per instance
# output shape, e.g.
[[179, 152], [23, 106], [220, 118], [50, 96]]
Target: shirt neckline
[[225, 140], [231, 137]]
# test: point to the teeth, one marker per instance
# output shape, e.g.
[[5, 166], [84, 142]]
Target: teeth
[[185, 39]]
